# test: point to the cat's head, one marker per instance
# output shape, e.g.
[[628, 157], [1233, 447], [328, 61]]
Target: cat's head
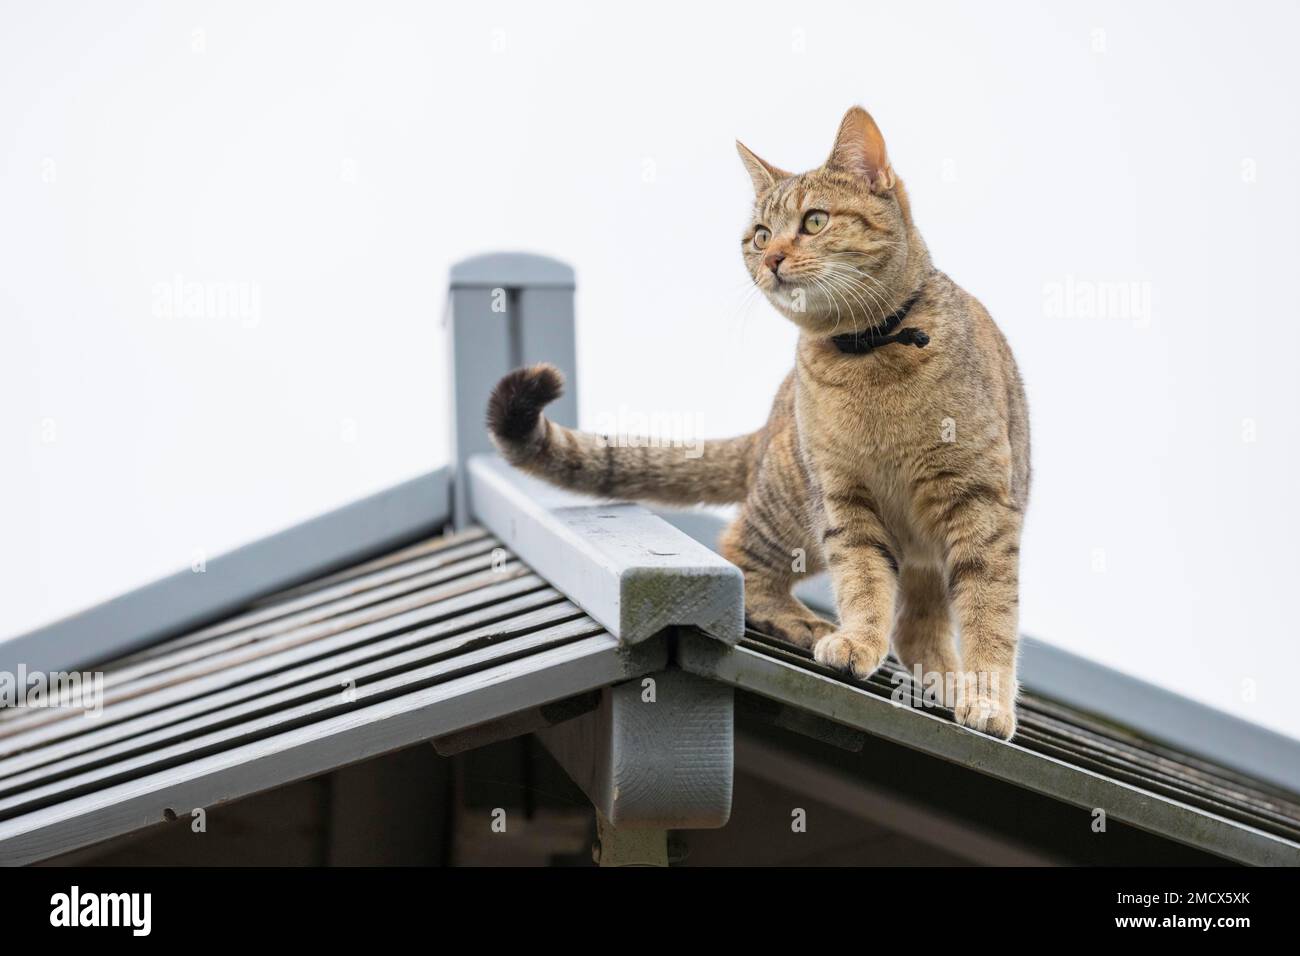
[[834, 249]]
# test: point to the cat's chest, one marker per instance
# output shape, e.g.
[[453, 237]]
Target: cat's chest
[[862, 414], [861, 429]]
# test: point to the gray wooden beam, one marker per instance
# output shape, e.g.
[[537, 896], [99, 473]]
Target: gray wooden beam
[[190, 599], [517, 725], [505, 310], [623, 565], [657, 754]]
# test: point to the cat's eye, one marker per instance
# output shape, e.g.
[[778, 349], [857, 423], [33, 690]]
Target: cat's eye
[[761, 236], [815, 221]]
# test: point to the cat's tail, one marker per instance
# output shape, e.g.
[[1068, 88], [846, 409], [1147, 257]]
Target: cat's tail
[[706, 472]]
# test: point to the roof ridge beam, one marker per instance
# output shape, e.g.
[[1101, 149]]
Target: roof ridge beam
[[624, 565]]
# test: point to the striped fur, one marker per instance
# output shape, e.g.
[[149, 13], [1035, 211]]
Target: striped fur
[[598, 465], [904, 472]]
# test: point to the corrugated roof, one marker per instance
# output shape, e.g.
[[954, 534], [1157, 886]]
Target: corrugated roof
[[423, 642], [1057, 750]]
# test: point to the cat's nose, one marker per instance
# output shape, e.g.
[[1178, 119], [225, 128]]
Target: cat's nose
[[773, 261]]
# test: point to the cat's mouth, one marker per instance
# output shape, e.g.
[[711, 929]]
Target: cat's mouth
[[784, 282], [781, 289]]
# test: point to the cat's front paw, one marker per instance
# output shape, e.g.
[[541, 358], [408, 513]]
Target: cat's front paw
[[858, 654], [987, 715]]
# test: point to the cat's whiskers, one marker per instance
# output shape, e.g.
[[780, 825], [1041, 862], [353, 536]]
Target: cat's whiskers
[[879, 300], [850, 278], [829, 293], [845, 290], [741, 312], [838, 290], [847, 287], [853, 284], [881, 296]]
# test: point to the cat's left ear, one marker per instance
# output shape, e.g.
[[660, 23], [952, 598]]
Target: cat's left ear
[[860, 150], [764, 174]]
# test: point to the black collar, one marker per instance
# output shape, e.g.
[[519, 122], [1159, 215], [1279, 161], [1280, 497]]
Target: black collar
[[860, 343]]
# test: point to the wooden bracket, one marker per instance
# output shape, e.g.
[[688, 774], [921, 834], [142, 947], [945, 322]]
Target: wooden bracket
[[656, 754]]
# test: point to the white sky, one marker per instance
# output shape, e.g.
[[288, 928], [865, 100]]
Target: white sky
[[332, 161]]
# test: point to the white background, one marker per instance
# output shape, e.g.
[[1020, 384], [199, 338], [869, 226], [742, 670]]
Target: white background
[[336, 160]]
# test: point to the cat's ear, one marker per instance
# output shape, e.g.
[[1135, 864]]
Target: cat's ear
[[764, 175], [860, 150]]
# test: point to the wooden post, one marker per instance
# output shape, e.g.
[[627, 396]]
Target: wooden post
[[655, 754], [619, 847], [506, 310]]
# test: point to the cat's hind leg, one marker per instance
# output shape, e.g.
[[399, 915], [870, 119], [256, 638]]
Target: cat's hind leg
[[772, 559], [923, 632]]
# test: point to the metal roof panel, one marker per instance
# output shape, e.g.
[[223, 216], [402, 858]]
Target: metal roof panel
[[1057, 751], [439, 637]]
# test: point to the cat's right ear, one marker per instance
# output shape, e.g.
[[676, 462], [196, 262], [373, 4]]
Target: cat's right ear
[[764, 175], [860, 150]]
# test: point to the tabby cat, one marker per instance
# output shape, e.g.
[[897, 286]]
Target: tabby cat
[[896, 455]]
